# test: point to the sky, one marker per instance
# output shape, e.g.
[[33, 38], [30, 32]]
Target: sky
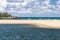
[[31, 8]]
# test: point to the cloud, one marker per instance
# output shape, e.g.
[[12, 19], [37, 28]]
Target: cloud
[[43, 7], [36, 7], [56, 8], [2, 5], [18, 7], [46, 7]]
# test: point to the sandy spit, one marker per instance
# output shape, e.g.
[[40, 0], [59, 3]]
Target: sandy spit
[[39, 23]]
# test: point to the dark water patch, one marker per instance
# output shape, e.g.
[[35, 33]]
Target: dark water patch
[[27, 32]]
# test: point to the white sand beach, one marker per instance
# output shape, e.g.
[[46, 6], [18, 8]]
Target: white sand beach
[[39, 23]]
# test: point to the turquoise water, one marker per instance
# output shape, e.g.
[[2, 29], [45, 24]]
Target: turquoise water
[[36, 18], [27, 32], [40, 18]]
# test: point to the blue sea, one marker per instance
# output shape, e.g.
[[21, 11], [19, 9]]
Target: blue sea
[[27, 32], [33, 18], [39, 18]]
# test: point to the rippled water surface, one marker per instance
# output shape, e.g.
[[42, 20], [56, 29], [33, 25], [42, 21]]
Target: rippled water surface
[[27, 32]]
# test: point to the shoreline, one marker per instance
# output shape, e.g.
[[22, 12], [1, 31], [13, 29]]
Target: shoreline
[[39, 23]]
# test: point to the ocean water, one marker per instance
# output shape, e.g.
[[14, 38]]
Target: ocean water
[[39, 18], [33, 18], [27, 32]]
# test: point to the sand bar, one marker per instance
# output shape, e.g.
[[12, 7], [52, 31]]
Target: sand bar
[[39, 23]]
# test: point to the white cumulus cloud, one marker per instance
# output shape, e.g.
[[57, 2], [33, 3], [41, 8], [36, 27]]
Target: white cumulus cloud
[[45, 7], [2, 5], [33, 6]]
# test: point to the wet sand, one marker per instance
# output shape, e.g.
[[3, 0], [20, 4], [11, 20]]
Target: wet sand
[[39, 23]]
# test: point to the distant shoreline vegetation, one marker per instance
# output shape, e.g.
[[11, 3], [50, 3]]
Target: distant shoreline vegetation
[[6, 15]]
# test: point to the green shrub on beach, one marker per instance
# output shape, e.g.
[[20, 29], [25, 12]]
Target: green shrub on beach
[[5, 14]]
